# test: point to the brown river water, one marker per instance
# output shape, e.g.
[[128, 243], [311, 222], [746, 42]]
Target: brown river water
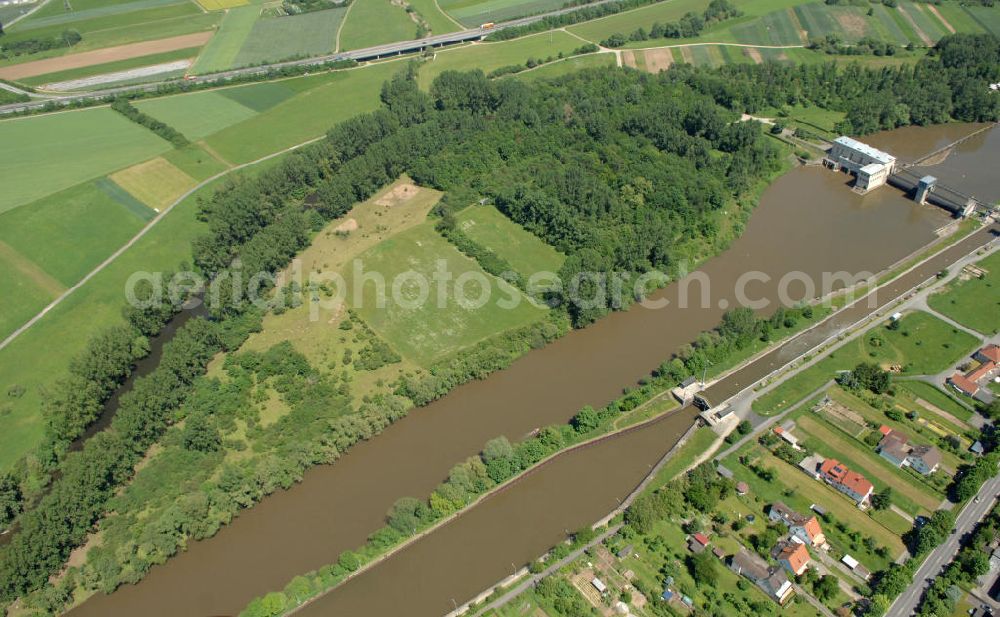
[[808, 221]]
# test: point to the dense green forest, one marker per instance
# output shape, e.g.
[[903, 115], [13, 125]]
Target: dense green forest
[[619, 170]]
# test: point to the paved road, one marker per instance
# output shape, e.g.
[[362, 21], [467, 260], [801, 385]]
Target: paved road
[[906, 604], [367, 53], [847, 318]]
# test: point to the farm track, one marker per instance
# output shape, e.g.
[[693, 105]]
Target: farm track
[[142, 232]]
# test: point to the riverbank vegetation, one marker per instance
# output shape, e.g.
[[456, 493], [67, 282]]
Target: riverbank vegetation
[[671, 160], [265, 221]]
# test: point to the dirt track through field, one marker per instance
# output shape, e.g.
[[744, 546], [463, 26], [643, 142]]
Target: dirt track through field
[[101, 56], [944, 22]]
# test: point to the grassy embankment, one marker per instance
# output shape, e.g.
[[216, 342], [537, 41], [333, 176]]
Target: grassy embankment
[[922, 345], [974, 303]]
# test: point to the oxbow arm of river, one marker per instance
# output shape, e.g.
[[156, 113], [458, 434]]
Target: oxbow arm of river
[[808, 221]]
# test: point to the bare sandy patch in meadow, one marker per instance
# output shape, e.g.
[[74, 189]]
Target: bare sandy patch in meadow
[[347, 226], [628, 59], [944, 22], [852, 24], [658, 60], [398, 194], [754, 54]]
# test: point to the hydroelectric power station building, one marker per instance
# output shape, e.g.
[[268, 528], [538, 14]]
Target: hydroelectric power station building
[[870, 166]]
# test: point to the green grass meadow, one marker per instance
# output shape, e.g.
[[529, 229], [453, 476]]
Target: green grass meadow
[[475, 12], [569, 65], [375, 22], [489, 56], [923, 345], [57, 151], [439, 22], [523, 250], [423, 331], [116, 28], [281, 38], [70, 232], [220, 53], [198, 114], [974, 303], [43, 352]]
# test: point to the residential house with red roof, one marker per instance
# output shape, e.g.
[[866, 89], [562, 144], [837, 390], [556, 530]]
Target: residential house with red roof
[[848, 482]]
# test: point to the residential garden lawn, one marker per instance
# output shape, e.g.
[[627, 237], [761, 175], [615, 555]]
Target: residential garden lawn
[[221, 52], [424, 331], [523, 250], [916, 432], [57, 151], [197, 114], [974, 303], [488, 56], [156, 183], [375, 22], [111, 67], [567, 66], [910, 494], [314, 329], [937, 397], [475, 12], [923, 344], [806, 491], [438, 20], [294, 36], [664, 548], [195, 162], [810, 117]]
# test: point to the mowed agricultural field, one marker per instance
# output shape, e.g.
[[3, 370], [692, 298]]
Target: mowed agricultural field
[[438, 20], [488, 56], [473, 13], [57, 151], [375, 22], [524, 251], [567, 66], [785, 23], [248, 37], [111, 24], [416, 326], [285, 113], [974, 303], [112, 67]]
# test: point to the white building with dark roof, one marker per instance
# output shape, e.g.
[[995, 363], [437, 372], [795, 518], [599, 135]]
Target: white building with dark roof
[[869, 165]]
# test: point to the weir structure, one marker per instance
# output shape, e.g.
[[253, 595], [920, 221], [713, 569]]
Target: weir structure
[[872, 168]]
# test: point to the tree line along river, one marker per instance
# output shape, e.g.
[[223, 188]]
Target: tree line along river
[[808, 221]]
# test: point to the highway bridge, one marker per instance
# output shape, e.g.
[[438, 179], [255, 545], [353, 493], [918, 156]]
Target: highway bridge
[[42, 101]]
